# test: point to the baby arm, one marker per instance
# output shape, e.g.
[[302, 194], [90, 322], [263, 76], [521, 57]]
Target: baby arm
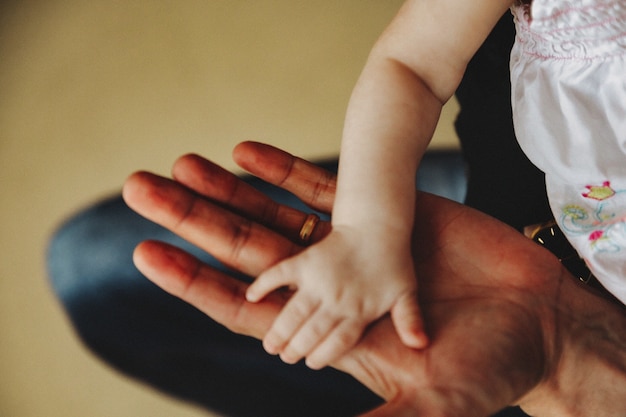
[[363, 270]]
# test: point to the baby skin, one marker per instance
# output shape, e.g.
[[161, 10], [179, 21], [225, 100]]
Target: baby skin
[[343, 283], [363, 270]]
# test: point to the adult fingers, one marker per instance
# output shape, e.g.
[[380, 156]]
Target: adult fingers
[[225, 188], [312, 184], [211, 291], [236, 241]]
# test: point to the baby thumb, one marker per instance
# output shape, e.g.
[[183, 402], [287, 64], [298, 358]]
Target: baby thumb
[[407, 319]]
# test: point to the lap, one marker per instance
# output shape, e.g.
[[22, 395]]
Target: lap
[[144, 332], [141, 330]]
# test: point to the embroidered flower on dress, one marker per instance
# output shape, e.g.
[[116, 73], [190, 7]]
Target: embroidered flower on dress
[[600, 192], [596, 235], [575, 212]]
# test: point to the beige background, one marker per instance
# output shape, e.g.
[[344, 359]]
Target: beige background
[[92, 90]]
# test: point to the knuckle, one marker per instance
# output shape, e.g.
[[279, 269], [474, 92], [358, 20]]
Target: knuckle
[[185, 211], [241, 233], [269, 213], [344, 340], [324, 187]]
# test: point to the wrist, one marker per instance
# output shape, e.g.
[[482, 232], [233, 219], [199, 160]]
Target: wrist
[[586, 366], [374, 211], [390, 236]]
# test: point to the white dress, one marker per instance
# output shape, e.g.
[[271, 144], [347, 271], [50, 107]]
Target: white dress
[[568, 79]]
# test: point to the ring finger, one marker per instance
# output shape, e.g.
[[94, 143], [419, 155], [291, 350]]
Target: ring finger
[[223, 187]]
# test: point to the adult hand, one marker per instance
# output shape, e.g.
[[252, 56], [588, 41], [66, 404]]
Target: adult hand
[[507, 323]]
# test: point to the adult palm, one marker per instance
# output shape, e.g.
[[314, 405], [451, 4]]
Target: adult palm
[[491, 298]]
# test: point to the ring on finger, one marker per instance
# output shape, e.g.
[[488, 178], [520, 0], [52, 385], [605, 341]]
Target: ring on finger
[[308, 227]]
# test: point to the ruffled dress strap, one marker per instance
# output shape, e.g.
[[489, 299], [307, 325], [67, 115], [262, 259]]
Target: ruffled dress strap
[[570, 29]]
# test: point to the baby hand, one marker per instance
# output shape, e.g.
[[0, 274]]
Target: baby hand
[[342, 283]]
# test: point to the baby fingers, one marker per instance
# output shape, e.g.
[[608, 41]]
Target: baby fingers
[[292, 317], [304, 329], [407, 319], [271, 280], [313, 331], [343, 337]]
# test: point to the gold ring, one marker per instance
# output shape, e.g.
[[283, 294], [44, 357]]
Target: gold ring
[[308, 227]]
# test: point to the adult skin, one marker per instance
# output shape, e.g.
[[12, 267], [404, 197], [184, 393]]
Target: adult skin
[[508, 324]]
